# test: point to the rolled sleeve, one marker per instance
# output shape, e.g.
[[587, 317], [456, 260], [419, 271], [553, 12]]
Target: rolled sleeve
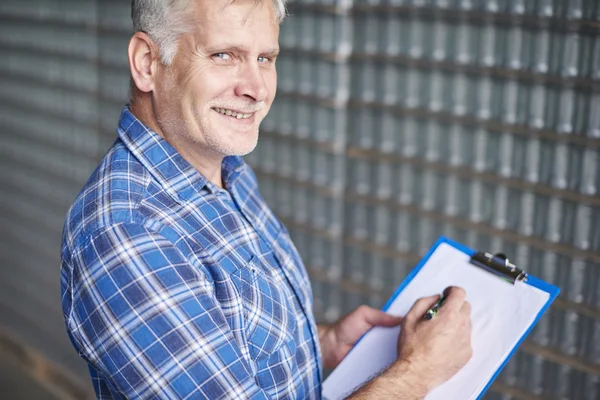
[[149, 322]]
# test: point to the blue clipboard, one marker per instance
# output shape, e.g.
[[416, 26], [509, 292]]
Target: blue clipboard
[[374, 345], [552, 290]]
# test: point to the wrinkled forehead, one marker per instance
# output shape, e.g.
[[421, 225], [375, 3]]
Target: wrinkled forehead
[[247, 20], [233, 13]]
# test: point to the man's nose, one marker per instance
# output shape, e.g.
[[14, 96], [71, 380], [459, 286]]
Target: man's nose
[[252, 83]]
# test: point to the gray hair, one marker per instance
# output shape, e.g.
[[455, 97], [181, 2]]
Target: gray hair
[[164, 21]]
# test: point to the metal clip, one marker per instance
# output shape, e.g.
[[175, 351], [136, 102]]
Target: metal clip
[[500, 265]]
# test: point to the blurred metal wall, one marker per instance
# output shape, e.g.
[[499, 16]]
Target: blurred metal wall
[[396, 121], [63, 82], [48, 147]]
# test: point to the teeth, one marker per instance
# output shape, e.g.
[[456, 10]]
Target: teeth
[[224, 111]]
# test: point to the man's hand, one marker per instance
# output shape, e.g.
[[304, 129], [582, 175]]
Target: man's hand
[[429, 351], [438, 348], [336, 340]]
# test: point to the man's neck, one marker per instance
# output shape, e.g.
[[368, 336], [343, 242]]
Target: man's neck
[[208, 164]]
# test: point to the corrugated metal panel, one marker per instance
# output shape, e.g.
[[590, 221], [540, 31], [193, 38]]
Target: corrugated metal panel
[[48, 118], [477, 120], [395, 121]]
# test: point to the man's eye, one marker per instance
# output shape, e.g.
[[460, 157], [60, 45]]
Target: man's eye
[[263, 59], [222, 56]]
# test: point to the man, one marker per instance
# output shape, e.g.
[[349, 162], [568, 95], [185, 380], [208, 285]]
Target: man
[[177, 280]]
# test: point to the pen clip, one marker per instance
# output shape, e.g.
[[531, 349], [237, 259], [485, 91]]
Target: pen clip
[[500, 265]]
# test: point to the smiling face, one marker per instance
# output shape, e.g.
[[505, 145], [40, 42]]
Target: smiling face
[[222, 82]]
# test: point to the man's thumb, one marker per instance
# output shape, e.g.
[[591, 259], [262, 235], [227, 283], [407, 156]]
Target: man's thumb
[[381, 318]]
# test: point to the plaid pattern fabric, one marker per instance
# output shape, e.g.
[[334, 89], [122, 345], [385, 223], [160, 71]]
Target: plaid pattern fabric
[[173, 288]]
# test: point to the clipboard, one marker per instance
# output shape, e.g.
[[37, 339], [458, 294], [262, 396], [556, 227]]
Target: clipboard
[[506, 303]]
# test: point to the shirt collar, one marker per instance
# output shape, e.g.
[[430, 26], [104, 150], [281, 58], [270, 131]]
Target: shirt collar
[[231, 168], [177, 176]]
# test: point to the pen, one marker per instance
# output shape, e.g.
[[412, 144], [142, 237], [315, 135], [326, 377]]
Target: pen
[[432, 312]]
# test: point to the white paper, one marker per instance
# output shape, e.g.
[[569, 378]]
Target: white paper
[[501, 314]]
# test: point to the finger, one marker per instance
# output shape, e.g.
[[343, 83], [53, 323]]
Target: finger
[[377, 317], [359, 321], [465, 309], [455, 298], [419, 309], [374, 317]]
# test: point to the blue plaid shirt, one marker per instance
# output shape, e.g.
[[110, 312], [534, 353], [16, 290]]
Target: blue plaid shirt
[[174, 288]]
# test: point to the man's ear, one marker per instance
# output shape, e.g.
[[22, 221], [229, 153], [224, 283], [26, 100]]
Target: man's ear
[[144, 57]]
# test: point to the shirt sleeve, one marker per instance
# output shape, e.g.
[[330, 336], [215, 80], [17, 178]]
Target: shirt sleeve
[[148, 320]]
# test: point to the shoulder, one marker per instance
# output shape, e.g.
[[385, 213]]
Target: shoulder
[[111, 195]]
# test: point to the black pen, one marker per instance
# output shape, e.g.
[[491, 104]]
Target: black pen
[[432, 312]]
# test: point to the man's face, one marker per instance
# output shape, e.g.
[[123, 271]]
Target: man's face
[[222, 81]]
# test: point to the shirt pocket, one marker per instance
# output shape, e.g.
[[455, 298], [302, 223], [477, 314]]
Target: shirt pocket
[[269, 317]]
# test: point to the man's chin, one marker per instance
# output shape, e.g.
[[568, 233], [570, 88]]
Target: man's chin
[[241, 146], [246, 150]]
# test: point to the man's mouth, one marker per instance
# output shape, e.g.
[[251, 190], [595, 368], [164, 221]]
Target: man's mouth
[[234, 114]]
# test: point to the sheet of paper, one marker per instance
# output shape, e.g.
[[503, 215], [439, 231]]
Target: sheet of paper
[[501, 314]]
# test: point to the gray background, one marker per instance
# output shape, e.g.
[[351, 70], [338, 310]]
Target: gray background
[[395, 121]]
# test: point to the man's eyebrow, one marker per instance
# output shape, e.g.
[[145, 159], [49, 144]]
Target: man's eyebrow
[[232, 47], [273, 51]]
